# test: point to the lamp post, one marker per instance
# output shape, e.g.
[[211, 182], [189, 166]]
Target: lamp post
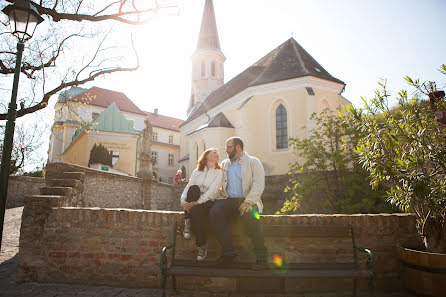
[[23, 19]]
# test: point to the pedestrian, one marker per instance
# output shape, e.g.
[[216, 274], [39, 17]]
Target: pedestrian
[[243, 184], [178, 178]]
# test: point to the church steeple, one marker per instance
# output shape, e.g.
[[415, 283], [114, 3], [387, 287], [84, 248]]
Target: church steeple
[[208, 38], [207, 60]]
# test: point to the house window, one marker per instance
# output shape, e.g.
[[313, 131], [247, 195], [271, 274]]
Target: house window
[[170, 180], [94, 115], [171, 139], [154, 157], [281, 128], [170, 160], [203, 69], [155, 136], [213, 68]]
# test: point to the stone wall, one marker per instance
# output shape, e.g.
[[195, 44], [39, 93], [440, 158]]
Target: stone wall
[[21, 186], [121, 247], [109, 190]]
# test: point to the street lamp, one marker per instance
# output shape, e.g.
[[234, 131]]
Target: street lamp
[[23, 19]]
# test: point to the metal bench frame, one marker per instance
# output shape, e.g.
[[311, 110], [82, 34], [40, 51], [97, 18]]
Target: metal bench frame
[[186, 267]]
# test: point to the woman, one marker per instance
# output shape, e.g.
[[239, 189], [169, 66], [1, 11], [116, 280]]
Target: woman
[[197, 198]]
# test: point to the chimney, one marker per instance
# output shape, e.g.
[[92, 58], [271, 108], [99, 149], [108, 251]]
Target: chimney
[[155, 111]]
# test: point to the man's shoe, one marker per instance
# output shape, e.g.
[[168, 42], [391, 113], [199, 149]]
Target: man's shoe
[[186, 231], [225, 260], [202, 252]]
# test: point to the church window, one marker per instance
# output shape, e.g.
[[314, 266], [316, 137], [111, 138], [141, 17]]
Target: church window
[[154, 157], [213, 68], [203, 69], [170, 160], [204, 146], [281, 128], [197, 152]]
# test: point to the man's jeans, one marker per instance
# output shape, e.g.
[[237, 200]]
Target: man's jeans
[[223, 213]]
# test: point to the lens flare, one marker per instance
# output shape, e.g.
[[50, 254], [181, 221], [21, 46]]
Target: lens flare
[[277, 260], [256, 215]]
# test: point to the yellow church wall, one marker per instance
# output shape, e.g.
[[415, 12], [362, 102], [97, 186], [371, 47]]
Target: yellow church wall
[[255, 123], [79, 151], [76, 153]]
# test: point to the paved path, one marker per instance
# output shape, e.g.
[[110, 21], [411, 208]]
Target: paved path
[[9, 287]]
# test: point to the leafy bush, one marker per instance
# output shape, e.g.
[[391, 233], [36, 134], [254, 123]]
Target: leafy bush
[[329, 179], [406, 150]]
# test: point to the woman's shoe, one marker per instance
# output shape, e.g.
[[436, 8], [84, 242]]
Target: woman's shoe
[[202, 252], [186, 231]]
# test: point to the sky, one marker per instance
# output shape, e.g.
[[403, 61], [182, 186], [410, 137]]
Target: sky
[[359, 42]]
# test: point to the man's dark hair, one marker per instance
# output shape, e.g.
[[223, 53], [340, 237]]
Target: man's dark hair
[[236, 140]]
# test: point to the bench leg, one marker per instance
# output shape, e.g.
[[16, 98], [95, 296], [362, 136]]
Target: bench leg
[[372, 286], [163, 285], [174, 283], [355, 286]]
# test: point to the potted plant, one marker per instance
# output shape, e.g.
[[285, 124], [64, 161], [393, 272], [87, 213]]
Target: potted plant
[[404, 146]]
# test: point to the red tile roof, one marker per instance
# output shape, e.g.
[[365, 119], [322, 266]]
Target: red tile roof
[[165, 122], [103, 98]]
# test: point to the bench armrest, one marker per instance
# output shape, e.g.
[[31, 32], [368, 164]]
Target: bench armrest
[[371, 263]]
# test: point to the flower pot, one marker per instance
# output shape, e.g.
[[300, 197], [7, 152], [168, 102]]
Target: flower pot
[[423, 272]]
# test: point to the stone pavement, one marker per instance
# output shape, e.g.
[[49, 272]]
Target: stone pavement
[[9, 287]]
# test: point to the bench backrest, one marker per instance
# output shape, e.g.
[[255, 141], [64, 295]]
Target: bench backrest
[[293, 243]]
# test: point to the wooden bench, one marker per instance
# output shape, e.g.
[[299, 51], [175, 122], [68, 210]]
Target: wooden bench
[[344, 270]]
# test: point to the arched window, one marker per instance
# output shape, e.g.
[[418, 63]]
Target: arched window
[[281, 128], [197, 153], [183, 172], [204, 146], [203, 69], [213, 68]]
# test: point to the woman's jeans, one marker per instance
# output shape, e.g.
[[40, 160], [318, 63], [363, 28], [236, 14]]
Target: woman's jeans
[[199, 218]]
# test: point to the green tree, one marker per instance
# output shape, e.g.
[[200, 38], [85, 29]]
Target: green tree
[[100, 154], [406, 150], [326, 178]]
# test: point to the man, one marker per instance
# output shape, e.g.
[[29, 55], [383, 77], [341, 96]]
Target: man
[[243, 184]]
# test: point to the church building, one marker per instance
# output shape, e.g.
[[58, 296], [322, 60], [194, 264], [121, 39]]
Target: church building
[[265, 105]]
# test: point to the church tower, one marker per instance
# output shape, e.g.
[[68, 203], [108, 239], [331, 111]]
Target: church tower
[[207, 60]]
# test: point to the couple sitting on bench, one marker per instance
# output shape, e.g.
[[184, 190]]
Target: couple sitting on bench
[[221, 194]]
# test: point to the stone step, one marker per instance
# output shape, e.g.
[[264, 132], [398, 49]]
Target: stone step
[[65, 175], [52, 200], [62, 191], [61, 182]]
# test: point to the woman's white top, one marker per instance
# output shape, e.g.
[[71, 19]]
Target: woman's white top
[[209, 180]]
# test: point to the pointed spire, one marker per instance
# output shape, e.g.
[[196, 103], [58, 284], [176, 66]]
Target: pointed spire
[[208, 38]]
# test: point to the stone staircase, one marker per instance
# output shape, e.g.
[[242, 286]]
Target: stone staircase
[[65, 184]]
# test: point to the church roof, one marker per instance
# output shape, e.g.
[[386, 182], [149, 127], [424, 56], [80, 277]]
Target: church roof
[[208, 38], [220, 120], [103, 98], [69, 93], [110, 120], [113, 120], [289, 60], [162, 121]]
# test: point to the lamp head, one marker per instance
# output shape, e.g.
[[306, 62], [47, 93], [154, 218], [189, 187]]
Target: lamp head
[[23, 19]]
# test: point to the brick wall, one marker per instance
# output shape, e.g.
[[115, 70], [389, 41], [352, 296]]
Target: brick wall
[[121, 247], [21, 186]]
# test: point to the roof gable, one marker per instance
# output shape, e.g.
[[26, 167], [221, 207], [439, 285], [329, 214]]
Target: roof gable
[[112, 120], [289, 60]]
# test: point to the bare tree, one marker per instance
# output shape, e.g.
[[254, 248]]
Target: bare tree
[[76, 44], [27, 140]]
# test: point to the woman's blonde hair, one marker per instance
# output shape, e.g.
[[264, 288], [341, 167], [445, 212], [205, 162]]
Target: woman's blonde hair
[[203, 160]]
